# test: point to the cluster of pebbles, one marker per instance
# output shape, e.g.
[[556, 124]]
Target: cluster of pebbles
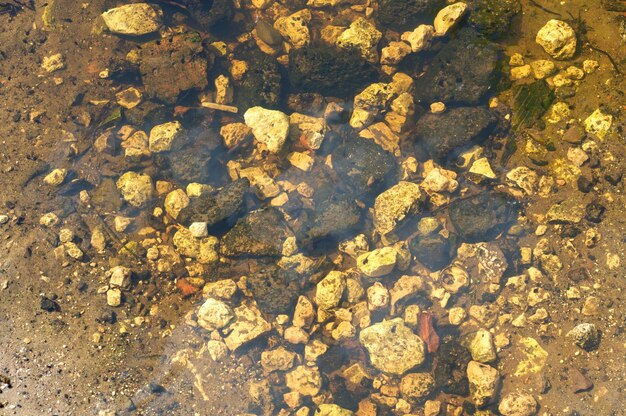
[[332, 198]]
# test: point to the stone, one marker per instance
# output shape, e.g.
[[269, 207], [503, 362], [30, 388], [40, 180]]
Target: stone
[[114, 297], [305, 380], [493, 18], [294, 28], [175, 201], [167, 137], [518, 404], [260, 233], [56, 177], [261, 86], [248, 325], [330, 290], [217, 350], [213, 207], [542, 68], [235, 134], [332, 409], [49, 219], [274, 289], [214, 314], [524, 178], [394, 205], [134, 19], [223, 289], [484, 383], [363, 36], [394, 53], [120, 276], [136, 188], [598, 124], [279, 359], [392, 347], [585, 336], [481, 346], [570, 210], [296, 335], [405, 15], [199, 229], [304, 313], [404, 288], [270, 127], [377, 263], [448, 17], [420, 38], [369, 103], [202, 249], [443, 134], [558, 39], [520, 72], [414, 387], [224, 91], [129, 98], [53, 62], [460, 73], [482, 217], [433, 251], [456, 315], [377, 297]]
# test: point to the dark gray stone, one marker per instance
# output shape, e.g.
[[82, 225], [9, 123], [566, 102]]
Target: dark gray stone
[[274, 290], [217, 206], [483, 216], [433, 251], [332, 217]]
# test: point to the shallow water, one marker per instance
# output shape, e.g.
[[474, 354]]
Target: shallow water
[[367, 226]]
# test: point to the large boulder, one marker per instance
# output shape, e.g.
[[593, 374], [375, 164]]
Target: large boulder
[[261, 85], [461, 73]]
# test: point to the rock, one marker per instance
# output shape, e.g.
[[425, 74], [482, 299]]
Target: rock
[[175, 201], [363, 36], [248, 325], [542, 68], [275, 290], [451, 369], [136, 188], [49, 219], [120, 276], [224, 91], [53, 62], [330, 290], [235, 134], [393, 348], [493, 18], [520, 72], [462, 71], [377, 297], [414, 387], [363, 165], [530, 102], [433, 251], [269, 34], [518, 404], [260, 233], [166, 137], [420, 38], [329, 71], [134, 19], [570, 210], [202, 249], [332, 217], [406, 14], [198, 229], [213, 207], [114, 297], [270, 127], [332, 410], [223, 289], [173, 65], [294, 28], [585, 336], [377, 263], [480, 345], [482, 217], [262, 86], [56, 177], [305, 380], [441, 134], [214, 314], [129, 98], [304, 313], [448, 17], [279, 359], [598, 124], [558, 39], [580, 382], [484, 382], [524, 178], [217, 350], [394, 205]]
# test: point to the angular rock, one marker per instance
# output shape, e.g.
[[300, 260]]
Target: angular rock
[[393, 347], [585, 336], [279, 359], [261, 86], [420, 38], [493, 18], [214, 314], [136, 188], [377, 263], [407, 14], [332, 410], [275, 290], [362, 36], [462, 72], [484, 382], [443, 133], [482, 217], [330, 290], [134, 19], [270, 127], [166, 137], [294, 28], [481, 346], [305, 380], [558, 39], [448, 17], [211, 208], [417, 386], [248, 325], [518, 404], [394, 205], [260, 233]]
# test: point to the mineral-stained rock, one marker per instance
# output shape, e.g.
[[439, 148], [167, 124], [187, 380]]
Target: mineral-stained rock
[[377, 262], [133, 19], [451, 369], [462, 72], [217, 206], [417, 386], [484, 382], [174, 65], [393, 347], [394, 205], [260, 233], [166, 137], [440, 134], [448, 17], [433, 251], [480, 345], [329, 71], [482, 217], [558, 39], [248, 325], [362, 36], [330, 290], [294, 28], [279, 359], [586, 336], [332, 217]]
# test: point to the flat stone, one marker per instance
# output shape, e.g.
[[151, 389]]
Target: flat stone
[[305, 380], [393, 347], [448, 17], [167, 137], [248, 325], [394, 205], [134, 19], [377, 262]]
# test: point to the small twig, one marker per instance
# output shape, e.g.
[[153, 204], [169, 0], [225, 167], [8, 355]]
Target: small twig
[[534, 3]]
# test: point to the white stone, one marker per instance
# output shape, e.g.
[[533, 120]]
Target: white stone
[[558, 39], [420, 38], [518, 404], [448, 17], [269, 127], [214, 314], [114, 297], [134, 19], [120, 276], [198, 229], [175, 201]]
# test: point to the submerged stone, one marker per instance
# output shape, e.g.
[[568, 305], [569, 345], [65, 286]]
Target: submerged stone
[[261, 85], [462, 72], [407, 14], [432, 251], [493, 18], [133, 19], [217, 206], [260, 233], [274, 289], [483, 216], [332, 217], [329, 71], [451, 369], [440, 134]]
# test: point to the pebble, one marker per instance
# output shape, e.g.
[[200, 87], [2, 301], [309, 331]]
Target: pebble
[[520, 72], [56, 177], [49, 219], [377, 262], [598, 124], [331, 410], [417, 386], [294, 28], [136, 188], [377, 297], [516, 59], [133, 19], [305, 380], [120, 276], [590, 66], [585, 336], [542, 68], [129, 98], [394, 205], [448, 17], [167, 137], [577, 156], [484, 383], [175, 202], [363, 36], [217, 349], [330, 290], [269, 127], [4, 219], [558, 39], [199, 229], [249, 325], [518, 404], [304, 313], [420, 38], [481, 346], [214, 314], [279, 359], [394, 53], [53, 62], [114, 297]]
